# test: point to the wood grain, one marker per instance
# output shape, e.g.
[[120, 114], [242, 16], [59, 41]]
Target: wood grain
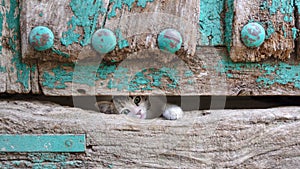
[[279, 45], [57, 16], [213, 74], [141, 26], [267, 138], [14, 74], [3, 74], [297, 23]]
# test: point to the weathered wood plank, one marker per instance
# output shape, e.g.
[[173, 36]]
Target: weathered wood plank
[[73, 22], [73, 25], [149, 75], [138, 25], [297, 23], [211, 22], [15, 75], [277, 17], [212, 74], [221, 139], [3, 72]]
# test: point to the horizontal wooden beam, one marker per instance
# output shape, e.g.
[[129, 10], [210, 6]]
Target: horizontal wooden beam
[[205, 139], [210, 72]]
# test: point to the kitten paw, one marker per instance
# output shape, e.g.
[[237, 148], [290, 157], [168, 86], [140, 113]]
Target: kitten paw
[[173, 113]]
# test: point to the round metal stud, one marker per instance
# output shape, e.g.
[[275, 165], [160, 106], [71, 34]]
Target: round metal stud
[[104, 41], [253, 35], [41, 38], [169, 40], [69, 143]]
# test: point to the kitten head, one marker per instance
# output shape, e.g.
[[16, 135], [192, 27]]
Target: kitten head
[[134, 106]]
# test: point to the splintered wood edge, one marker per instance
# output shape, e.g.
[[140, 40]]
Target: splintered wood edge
[[222, 138], [46, 16], [277, 46], [14, 74], [214, 74], [55, 15], [297, 17]]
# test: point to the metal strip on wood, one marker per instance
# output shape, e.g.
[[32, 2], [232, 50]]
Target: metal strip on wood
[[42, 143]]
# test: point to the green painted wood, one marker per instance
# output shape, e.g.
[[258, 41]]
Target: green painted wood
[[296, 31], [211, 22], [42, 143]]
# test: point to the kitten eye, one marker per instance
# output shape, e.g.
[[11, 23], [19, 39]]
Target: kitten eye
[[137, 100], [125, 111]]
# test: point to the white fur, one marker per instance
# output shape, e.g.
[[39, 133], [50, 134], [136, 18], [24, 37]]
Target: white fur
[[173, 112]]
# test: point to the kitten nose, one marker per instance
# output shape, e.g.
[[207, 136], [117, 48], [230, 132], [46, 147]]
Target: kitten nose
[[139, 113]]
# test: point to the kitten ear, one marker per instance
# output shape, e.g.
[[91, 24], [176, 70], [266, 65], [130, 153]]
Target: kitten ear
[[147, 100], [106, 107]]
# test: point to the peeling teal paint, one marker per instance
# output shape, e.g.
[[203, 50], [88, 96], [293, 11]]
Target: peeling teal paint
[[143, 3], [228, 23], [3, 69], [44, 161], [270, 29], [153, 79], [188, 73], [13, 18], [60, 53], [211, 27], [140, 79], [48, 157], [294, 32], [275, 73], [285, 7], [44, 166], [282, 73], [119, 4], [1, 28], [122, 42], [143, 80], [297, 4], [86, 13], [60, 78], [284, 31]]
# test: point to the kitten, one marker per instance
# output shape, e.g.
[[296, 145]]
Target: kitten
[[140, 107]]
